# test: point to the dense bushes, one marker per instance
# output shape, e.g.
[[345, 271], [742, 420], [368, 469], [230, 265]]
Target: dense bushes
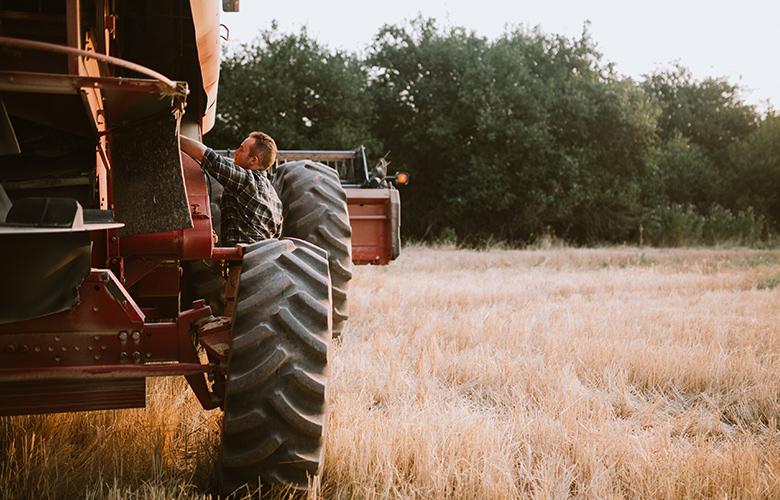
[[518, 137], [678, 225]]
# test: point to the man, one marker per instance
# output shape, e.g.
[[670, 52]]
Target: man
[[251, 209]]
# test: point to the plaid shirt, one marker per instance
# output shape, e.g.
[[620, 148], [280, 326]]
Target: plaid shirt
[[251, 209]]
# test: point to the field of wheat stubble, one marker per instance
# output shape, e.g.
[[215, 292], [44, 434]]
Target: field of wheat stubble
[[550, 373]]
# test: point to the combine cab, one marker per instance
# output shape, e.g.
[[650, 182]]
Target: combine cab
[[104, 224]]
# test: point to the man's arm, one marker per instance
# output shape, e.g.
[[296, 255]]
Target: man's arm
[[233, 178], [192, 148]]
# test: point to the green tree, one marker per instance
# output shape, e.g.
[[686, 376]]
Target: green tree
[[679, 172], [756, 161], [508, 137], [710, 116], [710, 113], [303, 94]]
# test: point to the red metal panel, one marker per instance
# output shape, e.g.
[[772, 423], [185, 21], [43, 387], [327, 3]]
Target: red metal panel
[[369, 216], [103, 338], [162, 282], [70, 395], [105, 328], [227, 253], [102, 372], [87, 334], [104, 305]]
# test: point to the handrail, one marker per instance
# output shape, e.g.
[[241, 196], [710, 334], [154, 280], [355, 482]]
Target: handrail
[[116, 61]]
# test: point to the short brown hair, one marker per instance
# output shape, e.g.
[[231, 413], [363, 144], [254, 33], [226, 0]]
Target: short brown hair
[[264, 148]]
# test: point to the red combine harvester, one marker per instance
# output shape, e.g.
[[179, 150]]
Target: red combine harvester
[[102, 221]]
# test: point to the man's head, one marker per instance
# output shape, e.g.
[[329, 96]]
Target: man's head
[[257, 152]]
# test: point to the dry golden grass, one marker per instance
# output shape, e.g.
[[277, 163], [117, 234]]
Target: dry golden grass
[[499, 374]]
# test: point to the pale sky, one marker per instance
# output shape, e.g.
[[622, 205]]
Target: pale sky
[[735, 39]]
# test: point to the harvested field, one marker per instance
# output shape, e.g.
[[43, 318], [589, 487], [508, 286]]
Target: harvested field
[[492, 374]]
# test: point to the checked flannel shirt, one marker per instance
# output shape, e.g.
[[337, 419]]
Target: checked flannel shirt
[[251, 209]]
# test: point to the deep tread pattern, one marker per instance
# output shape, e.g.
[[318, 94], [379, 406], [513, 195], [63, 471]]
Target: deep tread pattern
[[277, 369], [315, 210]]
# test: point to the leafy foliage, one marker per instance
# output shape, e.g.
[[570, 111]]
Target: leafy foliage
[[520, 137], [527, 132], [682, 225], [302, 94]]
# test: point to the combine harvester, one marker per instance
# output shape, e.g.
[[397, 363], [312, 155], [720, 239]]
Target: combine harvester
[[101, 217]]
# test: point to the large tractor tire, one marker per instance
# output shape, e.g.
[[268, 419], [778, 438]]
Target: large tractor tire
[[275, 406], [315, 210]]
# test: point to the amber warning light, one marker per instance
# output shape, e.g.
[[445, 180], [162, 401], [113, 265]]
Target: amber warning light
[[401, 178]]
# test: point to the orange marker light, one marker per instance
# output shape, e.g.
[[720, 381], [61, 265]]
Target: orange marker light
[[402, 178]]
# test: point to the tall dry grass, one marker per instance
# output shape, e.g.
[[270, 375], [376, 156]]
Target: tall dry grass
[[495, 374]]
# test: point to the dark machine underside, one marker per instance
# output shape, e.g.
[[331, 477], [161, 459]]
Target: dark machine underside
[[97, 206]]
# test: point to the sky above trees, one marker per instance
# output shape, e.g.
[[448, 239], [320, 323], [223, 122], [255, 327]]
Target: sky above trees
[[712, 38]]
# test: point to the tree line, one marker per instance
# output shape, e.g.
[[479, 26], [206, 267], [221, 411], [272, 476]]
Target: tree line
[[524, 136]]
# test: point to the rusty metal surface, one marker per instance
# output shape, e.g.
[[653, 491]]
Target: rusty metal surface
[[47, 396], [205, 18]]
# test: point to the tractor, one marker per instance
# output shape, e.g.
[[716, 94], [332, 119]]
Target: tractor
[[103, 220]]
